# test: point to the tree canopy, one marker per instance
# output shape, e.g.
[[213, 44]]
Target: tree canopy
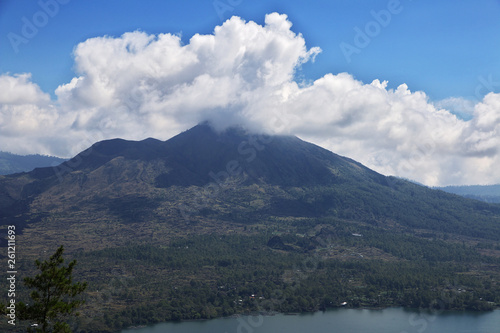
[[53, 295]]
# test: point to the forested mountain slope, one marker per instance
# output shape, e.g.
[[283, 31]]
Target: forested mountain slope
[[192, 227]]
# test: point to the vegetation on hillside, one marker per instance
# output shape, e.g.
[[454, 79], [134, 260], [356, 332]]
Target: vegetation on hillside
[[213, 275]]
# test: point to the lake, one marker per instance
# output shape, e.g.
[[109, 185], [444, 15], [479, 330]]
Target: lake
[[391, 320]]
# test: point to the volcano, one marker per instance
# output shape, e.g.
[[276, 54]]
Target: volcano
[[232, 176], [210, 222]]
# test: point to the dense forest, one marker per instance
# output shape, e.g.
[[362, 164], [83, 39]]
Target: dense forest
[[208, 276]]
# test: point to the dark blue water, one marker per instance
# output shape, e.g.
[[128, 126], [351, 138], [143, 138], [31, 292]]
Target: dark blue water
[[390, 320]]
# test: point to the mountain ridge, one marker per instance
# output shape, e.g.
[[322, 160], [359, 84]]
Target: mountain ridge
[[234, 146]]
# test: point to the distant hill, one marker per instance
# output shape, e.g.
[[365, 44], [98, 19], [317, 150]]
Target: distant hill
[[486, 193], [12, 163]]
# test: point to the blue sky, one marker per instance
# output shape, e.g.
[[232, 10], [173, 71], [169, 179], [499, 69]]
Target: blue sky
[[407, 87], [441, 47]]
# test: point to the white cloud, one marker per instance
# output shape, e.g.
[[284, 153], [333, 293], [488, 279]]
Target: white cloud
[[18, 90], [26, 114], [462, 107], [139, 85]]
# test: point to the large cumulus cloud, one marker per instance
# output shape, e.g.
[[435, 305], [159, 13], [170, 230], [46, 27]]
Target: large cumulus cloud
[[140, 85], [157, 82]]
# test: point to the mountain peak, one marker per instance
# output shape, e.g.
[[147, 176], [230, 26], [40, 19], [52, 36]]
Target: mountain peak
[[200, 152]]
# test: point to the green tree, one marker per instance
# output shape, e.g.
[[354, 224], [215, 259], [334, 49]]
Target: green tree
[[54, 295]]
